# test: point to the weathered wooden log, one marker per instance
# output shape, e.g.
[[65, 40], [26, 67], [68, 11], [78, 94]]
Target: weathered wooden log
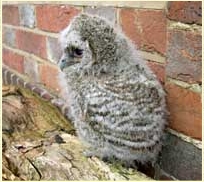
[[40, 144]]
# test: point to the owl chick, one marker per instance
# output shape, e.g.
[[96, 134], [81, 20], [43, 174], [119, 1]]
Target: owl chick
[[116, 103]]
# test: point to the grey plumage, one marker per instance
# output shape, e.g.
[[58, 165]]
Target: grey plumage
[[116, 103]]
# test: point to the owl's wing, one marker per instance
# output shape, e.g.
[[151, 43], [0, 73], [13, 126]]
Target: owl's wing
[[124, 109]]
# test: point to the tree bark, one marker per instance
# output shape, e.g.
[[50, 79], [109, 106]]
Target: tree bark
[[38, 143]]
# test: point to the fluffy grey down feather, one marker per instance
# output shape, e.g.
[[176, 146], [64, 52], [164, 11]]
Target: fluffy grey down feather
[[116, 103]]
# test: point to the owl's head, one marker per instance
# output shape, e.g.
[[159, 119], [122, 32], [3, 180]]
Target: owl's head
[[89, 43]]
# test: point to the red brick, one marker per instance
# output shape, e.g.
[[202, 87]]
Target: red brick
[[146, 28], [49, 76], [184, 55], [10, 14], [186, 12], [54, 18], [32, 43], [13, 60], [185, 110], [158, 70]]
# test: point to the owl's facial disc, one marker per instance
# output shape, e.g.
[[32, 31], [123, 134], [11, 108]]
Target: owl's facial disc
[[76, 50], [72, 55]]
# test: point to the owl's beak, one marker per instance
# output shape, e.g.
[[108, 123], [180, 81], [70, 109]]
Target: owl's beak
[[63, 63]]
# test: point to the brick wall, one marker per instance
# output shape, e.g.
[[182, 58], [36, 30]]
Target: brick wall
[[168, 35]]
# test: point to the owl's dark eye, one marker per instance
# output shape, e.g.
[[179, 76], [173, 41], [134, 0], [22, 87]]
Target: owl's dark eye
[[74, 52], [78, 52]]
